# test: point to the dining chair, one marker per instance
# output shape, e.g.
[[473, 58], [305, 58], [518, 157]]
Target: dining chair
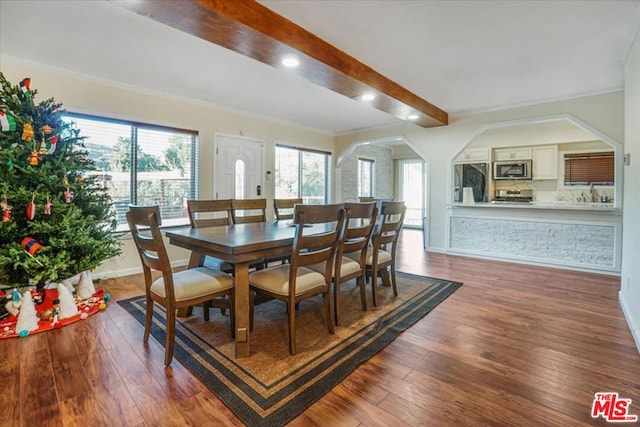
[[248, 210], [379, 255], [171, 290], [296, 282], [283, 208], [361, 220], [210, 213]]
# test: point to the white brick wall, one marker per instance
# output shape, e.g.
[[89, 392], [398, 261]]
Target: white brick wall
[[576, 244], [383, 186]]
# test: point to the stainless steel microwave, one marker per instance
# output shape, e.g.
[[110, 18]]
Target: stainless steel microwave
[[519, 169]]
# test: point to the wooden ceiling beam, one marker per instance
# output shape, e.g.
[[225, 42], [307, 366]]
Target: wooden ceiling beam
[[253, 30]]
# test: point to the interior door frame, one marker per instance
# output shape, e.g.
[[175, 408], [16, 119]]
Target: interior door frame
[[261, 177]]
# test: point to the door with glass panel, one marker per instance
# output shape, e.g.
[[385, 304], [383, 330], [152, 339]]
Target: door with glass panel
[[411, 186], [238, 168]]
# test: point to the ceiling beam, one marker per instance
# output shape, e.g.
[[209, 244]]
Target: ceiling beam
[[253, 30]]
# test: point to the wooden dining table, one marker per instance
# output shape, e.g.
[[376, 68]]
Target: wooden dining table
[[239, 245]]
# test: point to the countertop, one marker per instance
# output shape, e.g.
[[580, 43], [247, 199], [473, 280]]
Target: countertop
[[540, 205]]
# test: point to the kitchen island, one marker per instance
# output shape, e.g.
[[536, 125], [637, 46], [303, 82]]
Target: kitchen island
[[582, 236]]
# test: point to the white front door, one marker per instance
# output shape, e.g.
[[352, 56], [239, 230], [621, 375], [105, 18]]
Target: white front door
[[238, 167]]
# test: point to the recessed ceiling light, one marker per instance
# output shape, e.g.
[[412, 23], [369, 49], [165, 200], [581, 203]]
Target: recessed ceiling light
[[369, 96], [290, 61], [413, 116]]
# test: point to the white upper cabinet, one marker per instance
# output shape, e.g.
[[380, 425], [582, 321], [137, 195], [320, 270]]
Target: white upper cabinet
[[545, 162], [473, 155], [512, 153]]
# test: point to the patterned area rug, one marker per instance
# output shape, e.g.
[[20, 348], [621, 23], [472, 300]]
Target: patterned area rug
[[271, 387]]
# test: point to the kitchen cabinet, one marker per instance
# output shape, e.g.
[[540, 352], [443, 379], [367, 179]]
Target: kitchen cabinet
[[545, 162], [473, 155], [512, 153]]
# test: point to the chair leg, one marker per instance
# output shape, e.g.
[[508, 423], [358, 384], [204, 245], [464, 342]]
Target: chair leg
[[171, 334], [374, 283], [148, 320], [291, 314], [393, 279], [336, 300], [232, 316], [363, 296], [384, 274], [251, 306], [327, 311], [205, 310]]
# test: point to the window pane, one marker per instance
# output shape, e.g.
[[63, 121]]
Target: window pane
[[163, 162], [109, 146], [164, 171], [239, 181], [302, 173], [365, 178], [314, 179], [287, 179]]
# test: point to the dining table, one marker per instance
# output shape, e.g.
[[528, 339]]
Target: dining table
[[239, 244]]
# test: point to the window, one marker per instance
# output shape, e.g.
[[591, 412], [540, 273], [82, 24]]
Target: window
[[365, 177], [302, 173], [411, 175], [142, 164], [589, 168]]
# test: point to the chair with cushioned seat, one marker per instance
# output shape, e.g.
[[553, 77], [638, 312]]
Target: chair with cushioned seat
[[379, 256], [210, 213], [295, 282], [244, 211], [171, 290], [283, 208]]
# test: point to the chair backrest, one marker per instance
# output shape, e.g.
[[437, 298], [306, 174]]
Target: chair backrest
[[390, 225], [144, 223], [311, 247], [366, 199], [283, 208], [361, 220], [208, 213], [248, 210]]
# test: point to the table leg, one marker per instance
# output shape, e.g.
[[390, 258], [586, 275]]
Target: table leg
[[242, 309]]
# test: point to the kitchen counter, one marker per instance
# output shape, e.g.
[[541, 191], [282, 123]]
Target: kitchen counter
[[540, 205]]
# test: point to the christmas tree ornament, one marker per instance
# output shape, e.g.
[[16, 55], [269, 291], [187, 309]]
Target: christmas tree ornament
[[6, 209], [68, 307], [10, 163], [52, 143], [47, 130], [7, 122], [47, 206], [27, 319], [80, 179], [31, 245], [34, 158], [65, 181], [27, 132], [43, 146], [68, 195], [31, 208], [25, 86]]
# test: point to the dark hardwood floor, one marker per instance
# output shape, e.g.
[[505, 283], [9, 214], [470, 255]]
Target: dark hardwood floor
[[517, 345]]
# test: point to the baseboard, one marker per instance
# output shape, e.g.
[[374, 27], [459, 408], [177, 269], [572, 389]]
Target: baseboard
[[112, 274], [635, 331]]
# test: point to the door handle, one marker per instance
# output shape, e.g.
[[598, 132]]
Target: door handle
[[258, 190]]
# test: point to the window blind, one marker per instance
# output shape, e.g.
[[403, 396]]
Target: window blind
[[589, 168]]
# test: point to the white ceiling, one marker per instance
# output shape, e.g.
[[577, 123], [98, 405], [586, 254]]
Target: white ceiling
[[463, 56]]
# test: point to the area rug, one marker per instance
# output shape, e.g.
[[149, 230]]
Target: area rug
[[271, 387]]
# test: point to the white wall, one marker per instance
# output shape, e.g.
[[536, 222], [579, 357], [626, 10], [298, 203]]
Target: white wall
[[438, 146], [630, 286], [80, 94]]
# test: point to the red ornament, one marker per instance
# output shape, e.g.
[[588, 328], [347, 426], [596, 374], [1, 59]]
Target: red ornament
[[30, 245], [31, 208]]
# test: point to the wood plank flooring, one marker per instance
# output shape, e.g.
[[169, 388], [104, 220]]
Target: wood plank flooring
[[517, 345]]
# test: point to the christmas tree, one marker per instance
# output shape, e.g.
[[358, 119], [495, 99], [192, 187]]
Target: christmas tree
[[57, 221]]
